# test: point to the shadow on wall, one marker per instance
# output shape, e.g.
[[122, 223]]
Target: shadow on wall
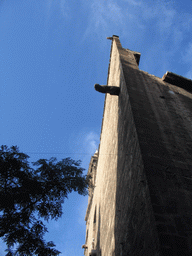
[[135, 232], [155, 159], [98, 234]]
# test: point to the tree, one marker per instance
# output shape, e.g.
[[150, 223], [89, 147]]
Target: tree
[[28, 195]]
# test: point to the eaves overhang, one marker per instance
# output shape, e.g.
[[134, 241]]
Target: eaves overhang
[[177, 80]]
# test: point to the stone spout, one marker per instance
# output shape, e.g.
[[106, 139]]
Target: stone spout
[[112, 90]]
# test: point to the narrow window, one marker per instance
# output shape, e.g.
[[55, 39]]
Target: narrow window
[[95, 215]]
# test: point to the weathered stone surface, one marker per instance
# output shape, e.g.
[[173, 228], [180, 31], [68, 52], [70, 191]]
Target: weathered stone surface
[[142, 200]]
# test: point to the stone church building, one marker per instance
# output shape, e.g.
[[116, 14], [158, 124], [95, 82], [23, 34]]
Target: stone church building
[[141, 199]]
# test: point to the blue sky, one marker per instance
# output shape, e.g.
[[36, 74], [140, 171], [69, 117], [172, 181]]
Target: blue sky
[[52, 53]]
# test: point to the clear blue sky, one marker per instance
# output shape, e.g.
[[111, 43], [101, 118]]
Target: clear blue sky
[[52, 52]]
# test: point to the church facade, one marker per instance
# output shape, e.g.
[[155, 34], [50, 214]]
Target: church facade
[[141, 199]]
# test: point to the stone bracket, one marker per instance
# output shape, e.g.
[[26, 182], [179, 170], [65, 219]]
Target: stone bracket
[[112, 90]]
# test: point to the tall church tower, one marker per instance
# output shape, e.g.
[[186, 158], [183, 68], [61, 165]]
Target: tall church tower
[[141, 199]]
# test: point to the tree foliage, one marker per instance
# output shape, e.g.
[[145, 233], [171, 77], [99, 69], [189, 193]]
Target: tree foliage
[[28, 195]]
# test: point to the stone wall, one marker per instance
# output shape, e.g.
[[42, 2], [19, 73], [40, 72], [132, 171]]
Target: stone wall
[[135, 231], [142, 199], [163, 119]]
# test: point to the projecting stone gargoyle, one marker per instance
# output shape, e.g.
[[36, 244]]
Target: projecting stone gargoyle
[[113, 90]]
